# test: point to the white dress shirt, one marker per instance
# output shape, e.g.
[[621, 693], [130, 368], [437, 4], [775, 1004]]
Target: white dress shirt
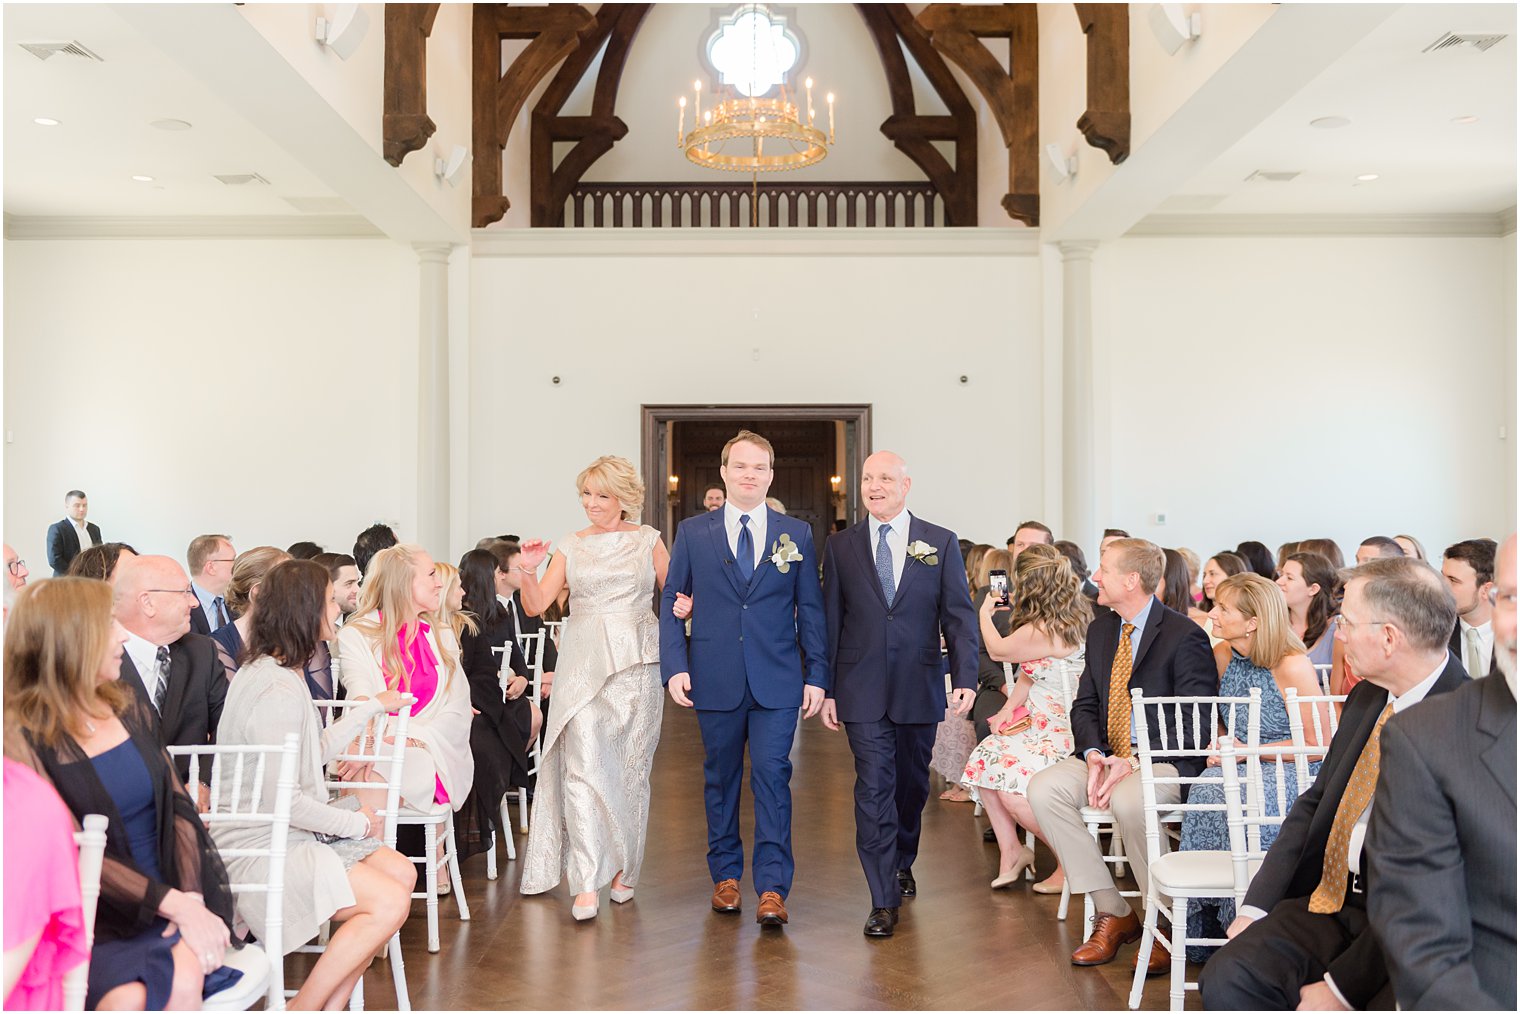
[[144, 655], [83, 531], [757, 517], [1485, 634], [897, 542]]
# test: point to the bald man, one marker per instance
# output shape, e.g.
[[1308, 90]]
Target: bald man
[[892, 585], [174, 670]]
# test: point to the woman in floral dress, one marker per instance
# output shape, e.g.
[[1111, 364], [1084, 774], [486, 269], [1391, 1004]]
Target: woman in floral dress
[[1046, 644]]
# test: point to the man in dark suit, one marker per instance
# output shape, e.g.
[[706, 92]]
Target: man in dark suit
[[1141, 643], [893, 585], [210, 558], [73, 535], [1468, 567], [174, 670], [1441, 843], [1302, 939], [757, 655]]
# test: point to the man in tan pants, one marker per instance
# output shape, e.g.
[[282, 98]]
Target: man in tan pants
[[1139, 643]]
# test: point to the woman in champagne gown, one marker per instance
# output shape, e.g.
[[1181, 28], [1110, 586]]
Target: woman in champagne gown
[[591, 808]]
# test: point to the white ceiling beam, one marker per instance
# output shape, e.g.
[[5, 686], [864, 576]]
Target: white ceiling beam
[[1297, 44], [217, 46]]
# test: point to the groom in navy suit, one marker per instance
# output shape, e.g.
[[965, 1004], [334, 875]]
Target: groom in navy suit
[[748, 577], [892, 586]]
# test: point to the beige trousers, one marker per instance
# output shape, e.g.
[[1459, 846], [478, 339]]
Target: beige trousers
[[1057, 796]]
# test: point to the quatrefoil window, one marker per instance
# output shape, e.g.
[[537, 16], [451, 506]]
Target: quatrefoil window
[[753, 49]]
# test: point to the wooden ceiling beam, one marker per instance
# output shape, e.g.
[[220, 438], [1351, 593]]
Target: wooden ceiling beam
[[405, 124], [1106, 123]]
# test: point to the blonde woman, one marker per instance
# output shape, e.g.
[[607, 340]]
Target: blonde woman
[[592, 804], [248, 572], [395, 642], [1047, 643]]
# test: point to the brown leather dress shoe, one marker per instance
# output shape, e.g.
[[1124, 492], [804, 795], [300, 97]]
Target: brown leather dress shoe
[[1161, 958], [1109, 933], [772, 910], [726, 896]]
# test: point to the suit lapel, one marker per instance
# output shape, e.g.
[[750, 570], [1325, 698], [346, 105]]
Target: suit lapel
[[719, 533], [916, 532], [1496, 720], [179, 683], [132, 677], [868, 560], [1150, 633]]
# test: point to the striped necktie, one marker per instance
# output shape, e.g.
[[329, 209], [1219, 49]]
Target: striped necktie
[[161, 688]]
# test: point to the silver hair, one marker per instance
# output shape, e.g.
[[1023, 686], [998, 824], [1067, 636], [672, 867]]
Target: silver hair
[[1411, 595]]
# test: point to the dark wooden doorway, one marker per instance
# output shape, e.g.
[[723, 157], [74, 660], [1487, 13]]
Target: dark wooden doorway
[[819, 453]]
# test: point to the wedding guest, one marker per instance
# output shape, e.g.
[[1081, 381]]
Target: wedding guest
[[68, 538], [1412, 547], [591, 809], [1284, 551], [394, 643], [210, 558], [344, 574], [369, 542], [1195, 572], [304, 550], [974, 561], [956, 735], [714, 498], [1328, 548], [1468, 568], [1029, 533], [1258, 559], [336, 866], [775, 505], [1077, 559], [1378, 547], [44, 921], [509, 594], [1219, 567], [1032, 730], [1308, 585], [100, 561], [162, 923], [476, 817], [1251, 617], [15, 569], [991, 681], [1176, 587], [242, 592]]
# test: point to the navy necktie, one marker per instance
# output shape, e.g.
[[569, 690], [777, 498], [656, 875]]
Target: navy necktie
[[161, 688], [884, 563], [745, 555], [221, 611]]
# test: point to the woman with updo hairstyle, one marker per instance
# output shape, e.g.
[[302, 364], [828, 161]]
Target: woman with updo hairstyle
[[591, 805], [1032, 730], [248, 571]]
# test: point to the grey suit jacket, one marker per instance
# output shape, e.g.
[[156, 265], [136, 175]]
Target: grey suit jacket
[[1441, 850]]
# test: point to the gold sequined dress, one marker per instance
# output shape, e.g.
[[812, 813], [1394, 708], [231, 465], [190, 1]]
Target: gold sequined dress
[[591, 806]]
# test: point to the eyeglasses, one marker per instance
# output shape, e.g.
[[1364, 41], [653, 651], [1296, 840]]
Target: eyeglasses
[[1341, 621], [1494, 597], [171, 591], [16, 566], [222, 559]]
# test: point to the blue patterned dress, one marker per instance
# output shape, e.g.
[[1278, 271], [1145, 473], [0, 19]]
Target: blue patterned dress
[[1206, 830]]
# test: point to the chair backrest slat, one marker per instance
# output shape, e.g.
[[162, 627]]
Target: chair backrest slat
[[1244, 814]]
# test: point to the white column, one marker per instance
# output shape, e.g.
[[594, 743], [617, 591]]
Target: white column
[[433, 400], [1077, 493]]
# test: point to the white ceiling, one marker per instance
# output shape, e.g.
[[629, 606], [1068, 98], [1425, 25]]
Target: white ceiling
[[85, 165]]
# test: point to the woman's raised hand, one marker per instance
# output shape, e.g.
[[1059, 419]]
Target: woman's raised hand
[[533, 553]]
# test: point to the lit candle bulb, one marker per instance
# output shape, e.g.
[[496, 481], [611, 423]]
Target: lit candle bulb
[[696, 86], [831, 117], [809, 85], [681, 125]]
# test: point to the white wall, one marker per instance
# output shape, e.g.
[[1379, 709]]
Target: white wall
[[264, 388], [1277, 388]]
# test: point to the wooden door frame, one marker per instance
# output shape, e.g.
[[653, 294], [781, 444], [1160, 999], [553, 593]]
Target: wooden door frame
[[652, 418]]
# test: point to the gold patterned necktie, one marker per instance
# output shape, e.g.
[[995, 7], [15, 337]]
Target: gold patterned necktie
[[1119, 703], [1330, 895]]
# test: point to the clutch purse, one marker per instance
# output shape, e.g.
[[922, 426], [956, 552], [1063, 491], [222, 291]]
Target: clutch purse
[[1017, 722]]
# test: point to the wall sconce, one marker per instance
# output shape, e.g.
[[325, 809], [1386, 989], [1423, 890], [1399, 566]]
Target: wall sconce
[[1062, 165], [345, 31], [836, 495], [1172, 28], [673, 489], [450, 169]]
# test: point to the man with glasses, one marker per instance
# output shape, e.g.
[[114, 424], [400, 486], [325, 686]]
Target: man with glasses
[[210, 558], [73, 535], [171, 668], [1303, 939], [15, 569]]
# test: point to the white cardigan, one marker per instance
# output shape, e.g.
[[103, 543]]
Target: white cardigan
[[443, 727]]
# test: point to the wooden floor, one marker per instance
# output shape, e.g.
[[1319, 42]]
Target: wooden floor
[[959, 944]]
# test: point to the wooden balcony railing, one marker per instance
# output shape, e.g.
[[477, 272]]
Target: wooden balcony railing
[[728, 205]]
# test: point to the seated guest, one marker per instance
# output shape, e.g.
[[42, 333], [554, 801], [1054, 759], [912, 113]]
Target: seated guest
[[1378, 547], [242, 592], [775, 505], [507, 715], [1308, 585], [173, 671], [1284, 551], [522, 624], [973, 562], [1195, 570], [162, 924], [1258, 559], [44, 920], [1048, 624], [100, 561], [1329, 549], [1302, 938], [1029, 533], [1441, 841], [15, 569], [991, 688], [393, 643], [344, 573], [1176, 587], [304, 550], [336, 866], [1218, 567], [68, 538], [369, 542], [1261, 652], [1468, 568], [210, 558], [1412, 547]]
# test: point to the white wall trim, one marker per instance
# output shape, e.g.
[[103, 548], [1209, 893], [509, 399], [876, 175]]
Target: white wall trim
[[1326, 225], [688, 242], [189, 227]]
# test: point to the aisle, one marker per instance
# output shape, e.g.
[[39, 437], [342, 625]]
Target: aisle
[[959, 945]]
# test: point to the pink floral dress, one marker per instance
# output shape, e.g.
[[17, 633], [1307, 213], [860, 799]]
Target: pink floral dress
[[1006, 763]]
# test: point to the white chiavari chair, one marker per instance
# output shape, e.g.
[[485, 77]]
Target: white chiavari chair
[[92, 852], [1324, 719], [1322, 671]]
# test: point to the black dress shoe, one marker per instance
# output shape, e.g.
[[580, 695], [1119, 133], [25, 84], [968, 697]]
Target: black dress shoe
[[906, 884], [881, 922], [989, 835]]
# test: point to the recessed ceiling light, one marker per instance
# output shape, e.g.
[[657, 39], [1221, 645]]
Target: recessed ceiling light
[[45, 121], [170, 124], [1464, 120], [1367, 177], [143, 179], [1330, 122]]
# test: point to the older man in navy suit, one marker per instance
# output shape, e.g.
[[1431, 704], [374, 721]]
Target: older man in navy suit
[[748, 577], [892, 586]]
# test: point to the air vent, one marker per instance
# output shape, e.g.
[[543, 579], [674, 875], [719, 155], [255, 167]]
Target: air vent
[[1481, 41], [240, 179], [45, 50], [1270, 176]]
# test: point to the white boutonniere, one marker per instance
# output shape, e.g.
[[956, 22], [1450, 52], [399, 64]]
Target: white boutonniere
[[784, 553], [924, 553]]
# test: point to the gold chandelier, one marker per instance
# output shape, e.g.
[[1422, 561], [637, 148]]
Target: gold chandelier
[[733, 136]]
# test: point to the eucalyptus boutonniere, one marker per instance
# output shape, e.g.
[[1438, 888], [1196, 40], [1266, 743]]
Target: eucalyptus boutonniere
[[784, 553], [924, 553]]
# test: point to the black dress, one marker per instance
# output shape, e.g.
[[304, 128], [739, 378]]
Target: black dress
[[990, 696], [499, 733]]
